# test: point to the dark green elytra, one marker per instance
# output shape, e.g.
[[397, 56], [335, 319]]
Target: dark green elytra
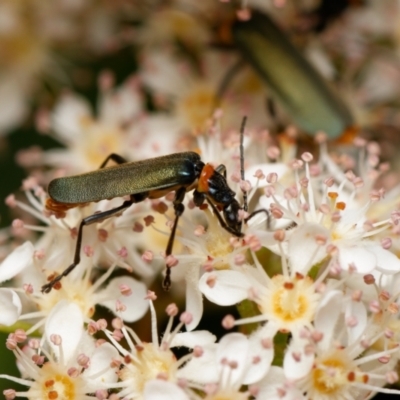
[[153, 174], [295, 84]]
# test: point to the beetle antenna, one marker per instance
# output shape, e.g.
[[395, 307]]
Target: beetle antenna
[[242, 160]]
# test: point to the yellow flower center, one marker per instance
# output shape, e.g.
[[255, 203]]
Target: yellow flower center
[[289, 301], [334, 373], [151, 362], [196, 107], [21, 43], [55, 384], [77, 292], [393, 324], [227, 395], [98, 142], [217, 243], [329, 376]]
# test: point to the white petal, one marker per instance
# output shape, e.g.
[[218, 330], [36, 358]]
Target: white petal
[[271, 387], [188, 267], [136, 305], [326, 317], [356, 309], [233, 347], [387, 262], [100, 361], [192, 339], [297, 363], [159, 65], [163, 390], [122, 105], [194, 299], [10, 307], [148, 129], [65, 320], [359, 256], [201, 369], [353, 217], [267, 239], [228, 288], [17, 261], [303, 249], [275, 375], [264, 356], [68, 114]]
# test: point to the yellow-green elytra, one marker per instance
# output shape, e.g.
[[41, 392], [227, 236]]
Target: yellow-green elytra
[[290, 78]]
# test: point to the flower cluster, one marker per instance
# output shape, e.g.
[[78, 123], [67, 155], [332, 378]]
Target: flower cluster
[[287, 290], [314, 275]]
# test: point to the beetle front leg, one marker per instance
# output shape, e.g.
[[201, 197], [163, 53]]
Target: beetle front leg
[[258, 212], [179, 208], [222, 170], [199, 198]]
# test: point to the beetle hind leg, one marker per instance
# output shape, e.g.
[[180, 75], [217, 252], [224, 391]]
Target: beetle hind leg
[[91, 219], [113, 157]]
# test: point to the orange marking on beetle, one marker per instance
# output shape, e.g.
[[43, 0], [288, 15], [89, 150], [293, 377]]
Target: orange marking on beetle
[[206, 173], [347, 137], [59, 209]]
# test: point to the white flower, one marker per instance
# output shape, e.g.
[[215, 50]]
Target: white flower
[[74, 366], [338, 359], [33, 36], [276, 387], [169, 24], [53, 253], [193, 95], [90, 139], [288, 301], [10, 307], [235, 361], [144, 362], [325, 225], [123, 295]]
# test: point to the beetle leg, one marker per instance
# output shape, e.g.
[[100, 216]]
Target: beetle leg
[[113, 157], [179, 208], [222, 221], [198, 198], [91, 219], [222, 170], [258, 212]]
